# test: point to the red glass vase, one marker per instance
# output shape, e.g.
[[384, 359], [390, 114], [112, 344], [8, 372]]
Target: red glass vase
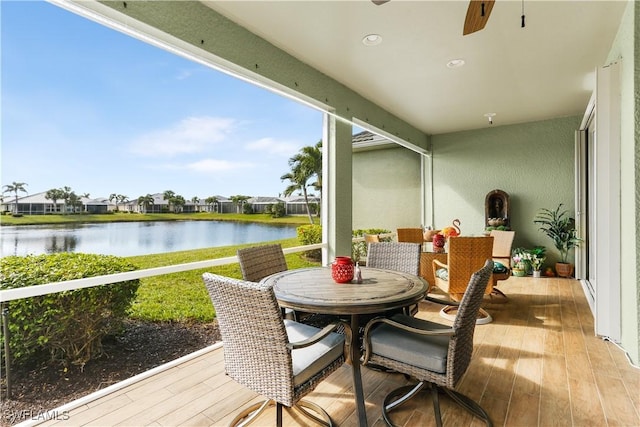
[[342, 269], [438, 243]]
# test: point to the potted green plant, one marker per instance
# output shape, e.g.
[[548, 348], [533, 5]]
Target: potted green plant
[[536, 259], [560, 228], [519, 262]]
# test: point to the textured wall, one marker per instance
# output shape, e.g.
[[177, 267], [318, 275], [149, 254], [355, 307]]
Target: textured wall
[[386, 189], [532, 162]]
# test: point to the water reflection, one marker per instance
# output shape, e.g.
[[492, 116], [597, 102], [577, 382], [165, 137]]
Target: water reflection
[[65, 243], [135, 238]]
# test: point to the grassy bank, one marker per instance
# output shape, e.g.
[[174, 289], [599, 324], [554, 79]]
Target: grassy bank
[[132, 217], [182, 296]]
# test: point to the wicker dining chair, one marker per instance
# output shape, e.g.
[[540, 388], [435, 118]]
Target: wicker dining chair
[[258, 262], [465, 256], [277, 358], [410, 235], [371, 238], [436, 355], [397, 256]]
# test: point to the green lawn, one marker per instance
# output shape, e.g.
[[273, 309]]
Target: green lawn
[[179, 297], [182, 297], [130, 217]]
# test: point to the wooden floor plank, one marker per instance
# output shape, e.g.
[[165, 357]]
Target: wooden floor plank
[[537, 364], [586, 407]]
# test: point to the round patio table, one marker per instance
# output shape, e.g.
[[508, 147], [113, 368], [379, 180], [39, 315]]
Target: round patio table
[[313, 290]]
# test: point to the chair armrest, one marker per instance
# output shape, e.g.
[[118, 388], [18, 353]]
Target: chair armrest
[[506, 261], [375, 321], [435, 264], [432, 332], [320, 335], [442, 301], [439, 264]]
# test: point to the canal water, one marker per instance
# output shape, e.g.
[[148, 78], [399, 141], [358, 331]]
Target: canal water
[[135, 238]]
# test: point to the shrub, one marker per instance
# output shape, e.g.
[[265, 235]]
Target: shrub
[[247, 208], [278, 210], [69, 325], [309, 235], [359, 249]]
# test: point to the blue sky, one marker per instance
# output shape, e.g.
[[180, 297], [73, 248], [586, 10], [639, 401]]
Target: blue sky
[[90, 108]]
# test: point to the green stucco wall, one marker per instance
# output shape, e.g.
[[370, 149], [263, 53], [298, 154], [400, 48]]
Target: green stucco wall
[[383, 181], [532, 162]]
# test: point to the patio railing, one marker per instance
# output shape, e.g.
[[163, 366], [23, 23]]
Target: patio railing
[[109, 279], [70, 285]]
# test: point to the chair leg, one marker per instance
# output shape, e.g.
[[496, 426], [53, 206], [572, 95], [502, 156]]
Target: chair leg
[[436, 404], [398, 397], [469, 404], [279, 414], [249, 414], [449, 313], [495, 297], [401, 395], [302, 407]]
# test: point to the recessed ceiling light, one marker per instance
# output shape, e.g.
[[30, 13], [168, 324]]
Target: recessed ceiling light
[[372, 39], [455, 63]]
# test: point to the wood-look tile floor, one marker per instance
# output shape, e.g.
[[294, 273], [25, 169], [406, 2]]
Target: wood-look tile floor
[[537, 364]]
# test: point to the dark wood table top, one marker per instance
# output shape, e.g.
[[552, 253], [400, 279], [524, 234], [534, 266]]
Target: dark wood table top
[[313, 290]]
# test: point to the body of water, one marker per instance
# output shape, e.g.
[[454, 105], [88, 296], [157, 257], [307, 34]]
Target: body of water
[[135, 238]]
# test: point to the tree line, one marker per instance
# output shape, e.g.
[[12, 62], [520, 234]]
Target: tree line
[[305, 173]]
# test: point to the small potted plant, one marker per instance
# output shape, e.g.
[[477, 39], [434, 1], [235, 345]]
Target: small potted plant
[[536, 259], [560, 228], [519, 262]]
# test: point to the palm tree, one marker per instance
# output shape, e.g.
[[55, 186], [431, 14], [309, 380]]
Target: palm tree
[[238, 201], [145, 202], [14, 188], [74, 201], [304, 166], [168, 195], [211, 201], [178, 202], [118, 198], [121, 198], [299, 182], [66, 194], [195, 200], [54, 195], [311, 159]]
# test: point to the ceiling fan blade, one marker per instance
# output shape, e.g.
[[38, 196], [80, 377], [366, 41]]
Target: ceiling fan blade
[[477, 15], [379, 2]]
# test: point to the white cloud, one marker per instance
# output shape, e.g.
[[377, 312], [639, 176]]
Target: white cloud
[[190, 135], [273, 146], [215, 166], [184, 74]]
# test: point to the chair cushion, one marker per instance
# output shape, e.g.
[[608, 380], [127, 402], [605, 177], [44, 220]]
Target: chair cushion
[[424, 352], [310, 360], [499, 268], [442, 273]]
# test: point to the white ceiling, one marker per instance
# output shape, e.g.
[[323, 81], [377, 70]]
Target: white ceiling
[[538, 72]]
